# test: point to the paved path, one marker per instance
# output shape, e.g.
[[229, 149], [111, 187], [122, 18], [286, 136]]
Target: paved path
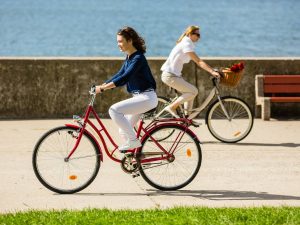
[[264, 169]]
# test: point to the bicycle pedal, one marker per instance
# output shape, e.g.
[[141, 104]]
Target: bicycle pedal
[[135, 175]]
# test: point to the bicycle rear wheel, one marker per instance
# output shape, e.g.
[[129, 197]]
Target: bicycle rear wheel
[[61, 175], [177, 171], [234, 129]]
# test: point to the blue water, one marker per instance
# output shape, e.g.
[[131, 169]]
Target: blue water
[[88, 27]]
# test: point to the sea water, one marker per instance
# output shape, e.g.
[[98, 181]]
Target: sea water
[[88, 27]]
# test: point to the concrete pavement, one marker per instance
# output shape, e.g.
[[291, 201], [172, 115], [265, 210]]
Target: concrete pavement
[[263, 169]]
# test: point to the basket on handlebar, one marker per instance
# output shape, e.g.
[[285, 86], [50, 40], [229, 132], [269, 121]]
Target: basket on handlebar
[[232, 76]]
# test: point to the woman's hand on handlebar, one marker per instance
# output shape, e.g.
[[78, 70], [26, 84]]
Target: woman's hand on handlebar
[[216, 74], [104, 86], [99, 89]]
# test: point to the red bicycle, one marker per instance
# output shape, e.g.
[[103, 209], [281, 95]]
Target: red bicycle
[[67, 159]]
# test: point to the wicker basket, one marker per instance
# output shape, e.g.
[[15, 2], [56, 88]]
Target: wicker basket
[[231, 78]]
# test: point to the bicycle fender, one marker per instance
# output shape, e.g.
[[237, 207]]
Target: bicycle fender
[[174, 124], [92, 136], [224, 97]]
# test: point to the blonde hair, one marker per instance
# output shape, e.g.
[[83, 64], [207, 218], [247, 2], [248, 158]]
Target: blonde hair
[[188, 31]]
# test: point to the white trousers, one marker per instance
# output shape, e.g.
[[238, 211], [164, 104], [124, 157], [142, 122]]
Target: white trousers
[[189, 91], [127, 112]]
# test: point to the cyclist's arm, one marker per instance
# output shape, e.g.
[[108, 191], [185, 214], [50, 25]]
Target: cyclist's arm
[[104, 87], [202, 64], [119, 73]]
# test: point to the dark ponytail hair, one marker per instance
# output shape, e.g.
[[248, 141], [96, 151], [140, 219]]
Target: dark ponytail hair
[[130, 34]]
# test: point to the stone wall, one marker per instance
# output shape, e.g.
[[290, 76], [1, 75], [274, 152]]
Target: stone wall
[[32, 88]]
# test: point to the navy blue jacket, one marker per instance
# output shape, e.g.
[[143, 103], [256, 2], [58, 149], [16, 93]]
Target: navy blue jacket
[[135, 73]]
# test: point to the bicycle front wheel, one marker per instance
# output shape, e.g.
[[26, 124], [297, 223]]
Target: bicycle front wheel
[[57, 173], [176, 171], [233, 128]]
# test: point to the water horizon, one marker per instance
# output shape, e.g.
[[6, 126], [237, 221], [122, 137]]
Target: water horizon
[[229, 28]]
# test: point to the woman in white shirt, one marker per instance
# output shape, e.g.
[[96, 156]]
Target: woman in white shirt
[[182, 53]]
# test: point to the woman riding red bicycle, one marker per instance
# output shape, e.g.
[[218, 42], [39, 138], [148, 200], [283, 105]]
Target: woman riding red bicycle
[[136, 75], [67, 159]]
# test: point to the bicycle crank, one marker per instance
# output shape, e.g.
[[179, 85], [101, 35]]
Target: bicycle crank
[[129, 164]]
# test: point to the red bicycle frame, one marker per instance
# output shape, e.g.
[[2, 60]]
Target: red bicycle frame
[[180, 122], [146, 132]]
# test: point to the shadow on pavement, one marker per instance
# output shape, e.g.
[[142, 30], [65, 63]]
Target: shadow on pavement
[[289, 145], [204, 194]]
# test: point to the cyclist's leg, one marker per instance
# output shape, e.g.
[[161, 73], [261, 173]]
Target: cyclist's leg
[[189, 91], [136, 105], [133, 119]]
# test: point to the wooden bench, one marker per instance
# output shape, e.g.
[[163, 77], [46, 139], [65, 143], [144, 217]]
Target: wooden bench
[[275, 88]]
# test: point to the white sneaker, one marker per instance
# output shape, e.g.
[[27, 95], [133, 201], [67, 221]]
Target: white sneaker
[[171, 111], [195, 123], [130, 144]]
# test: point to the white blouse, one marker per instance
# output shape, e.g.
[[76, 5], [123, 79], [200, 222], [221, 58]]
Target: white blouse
[[178, 57]]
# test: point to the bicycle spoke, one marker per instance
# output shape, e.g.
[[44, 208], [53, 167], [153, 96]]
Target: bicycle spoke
[[58, 174], [181, 168], [234, 129]]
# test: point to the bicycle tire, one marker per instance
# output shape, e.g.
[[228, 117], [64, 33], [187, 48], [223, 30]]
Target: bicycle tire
[[235, 129], [58, 175], [171, 175]]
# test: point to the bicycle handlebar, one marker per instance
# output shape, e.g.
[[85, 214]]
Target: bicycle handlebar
[[218, 70], [93, 90], [216, 80]]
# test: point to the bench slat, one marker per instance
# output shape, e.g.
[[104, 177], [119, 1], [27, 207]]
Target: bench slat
[[280, 88], [285, 99], [276, 88], [282, 79]]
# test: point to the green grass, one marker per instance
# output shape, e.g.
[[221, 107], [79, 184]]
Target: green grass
[[178, 215]]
